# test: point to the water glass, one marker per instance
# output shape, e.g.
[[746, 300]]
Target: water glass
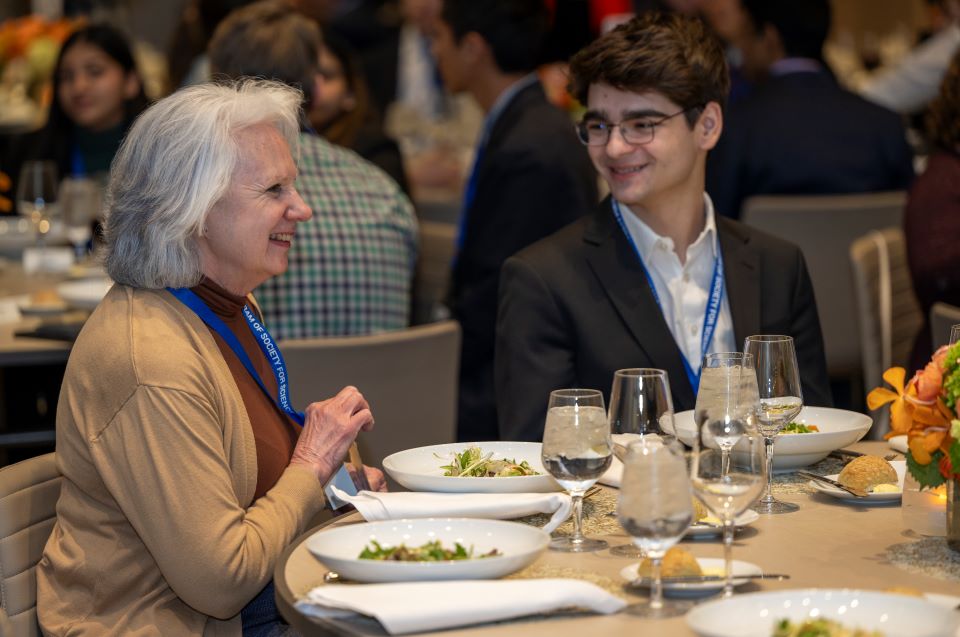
[[655, 508], [728, 483], [81, 200], [37, 195], [781, 400], [954, 333], [576, 451]]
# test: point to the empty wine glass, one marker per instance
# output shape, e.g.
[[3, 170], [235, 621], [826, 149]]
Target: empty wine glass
[[640, 405], [655, 508], [80, 199], [717, 372], [728, 483], [954, 334], [37, 195], [781, 400], [576, 451]]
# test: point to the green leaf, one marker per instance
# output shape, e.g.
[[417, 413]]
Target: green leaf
[[927, 475]]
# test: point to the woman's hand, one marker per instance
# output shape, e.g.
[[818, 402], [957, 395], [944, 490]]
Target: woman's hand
[[375, 478], [329, 428]]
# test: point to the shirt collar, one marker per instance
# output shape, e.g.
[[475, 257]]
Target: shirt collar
[[501, 103], [646, 239]]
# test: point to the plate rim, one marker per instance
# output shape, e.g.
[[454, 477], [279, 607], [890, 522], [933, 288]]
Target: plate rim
[[699, 586]]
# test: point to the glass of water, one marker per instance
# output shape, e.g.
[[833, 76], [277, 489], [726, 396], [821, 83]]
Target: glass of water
[[781, 400], [576, 452], [37, 195], [655, 508], [728, 483]]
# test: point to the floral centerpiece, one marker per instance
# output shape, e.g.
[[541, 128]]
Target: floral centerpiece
[[925, 410]]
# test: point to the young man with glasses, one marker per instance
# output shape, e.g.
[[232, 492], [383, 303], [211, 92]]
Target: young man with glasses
[[654, 278]]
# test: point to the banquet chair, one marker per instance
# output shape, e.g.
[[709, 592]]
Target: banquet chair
[[887, 311], [28, 498], [409, 377], [824, 227], [432, 276], [943, 316]]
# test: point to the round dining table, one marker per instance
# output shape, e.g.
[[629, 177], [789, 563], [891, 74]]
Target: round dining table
[[827, 543]]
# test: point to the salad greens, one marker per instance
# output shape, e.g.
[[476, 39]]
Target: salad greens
[[819, 628], [429, 552], [473, 464], [798, 428]]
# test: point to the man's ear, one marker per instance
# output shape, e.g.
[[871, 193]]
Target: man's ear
[[709, 126], [474, 47]]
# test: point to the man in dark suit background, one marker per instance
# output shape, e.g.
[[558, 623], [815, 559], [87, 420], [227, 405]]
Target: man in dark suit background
[[798, 131], [530, 176], [634, 284]]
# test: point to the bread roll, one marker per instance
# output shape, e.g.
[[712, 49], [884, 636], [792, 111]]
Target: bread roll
[[867, 472], [677, 562]]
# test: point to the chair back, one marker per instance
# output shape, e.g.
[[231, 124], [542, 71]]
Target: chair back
[[887, 310], [409, 377], [431, 278], [943, 316], [29, 491], [824, 227]]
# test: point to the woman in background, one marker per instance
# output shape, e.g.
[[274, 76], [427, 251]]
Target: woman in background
[[342, 112], [97, 93]]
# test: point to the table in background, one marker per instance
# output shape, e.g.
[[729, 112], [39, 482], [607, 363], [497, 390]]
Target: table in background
[[826, 544]]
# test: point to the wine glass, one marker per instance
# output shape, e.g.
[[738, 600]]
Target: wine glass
[[781, 400], [37, 195], [576, 451], [954, 334], [717, 372], [80, 200], [640, 406], [728, 483], [655, 508]]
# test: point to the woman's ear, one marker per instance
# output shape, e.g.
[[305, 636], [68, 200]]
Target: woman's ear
[[131, 86]]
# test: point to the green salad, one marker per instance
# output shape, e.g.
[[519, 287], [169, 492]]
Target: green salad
[[799, 428], [472, 463], [819, 628], [429, 552]]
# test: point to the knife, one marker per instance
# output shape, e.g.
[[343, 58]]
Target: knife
[[693, 579], [833, 483]]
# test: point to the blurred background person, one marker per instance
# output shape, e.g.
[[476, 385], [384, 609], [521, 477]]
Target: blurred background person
[[798, 131], [97, 93], [932, 218], [352, 264], [187, 60], [341, 110], [530, 177]]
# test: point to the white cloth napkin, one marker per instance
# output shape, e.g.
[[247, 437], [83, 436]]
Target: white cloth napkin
[[374, 505], [419, 606], [614, 474]]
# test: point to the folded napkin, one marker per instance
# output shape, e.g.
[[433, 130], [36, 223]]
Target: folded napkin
[[374, 505], [419, 606]]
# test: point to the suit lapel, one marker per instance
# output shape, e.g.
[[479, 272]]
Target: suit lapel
[[620, 273], [741, 266]]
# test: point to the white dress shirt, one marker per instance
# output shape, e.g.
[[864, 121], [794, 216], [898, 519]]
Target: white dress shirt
[[684, 289], [417, 85]]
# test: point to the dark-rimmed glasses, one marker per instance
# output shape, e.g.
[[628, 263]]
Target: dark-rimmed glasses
[[636, 130]]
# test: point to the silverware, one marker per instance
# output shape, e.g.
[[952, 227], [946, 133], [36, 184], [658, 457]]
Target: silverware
[[591, 491], [331, 577], [833, 483], [694, 579], [847, 454]]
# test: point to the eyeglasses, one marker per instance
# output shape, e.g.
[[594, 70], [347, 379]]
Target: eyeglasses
[[637, 131]]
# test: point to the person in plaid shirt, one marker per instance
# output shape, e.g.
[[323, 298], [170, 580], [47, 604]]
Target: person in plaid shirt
[[351, 266]]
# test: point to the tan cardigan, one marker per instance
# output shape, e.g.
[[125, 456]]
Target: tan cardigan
[[155, 532]]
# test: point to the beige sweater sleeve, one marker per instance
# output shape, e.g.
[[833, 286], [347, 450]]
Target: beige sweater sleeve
[[163, 459]]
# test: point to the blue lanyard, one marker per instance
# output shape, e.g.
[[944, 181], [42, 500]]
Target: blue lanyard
[[341, 479], [713, 303], [264, 340]]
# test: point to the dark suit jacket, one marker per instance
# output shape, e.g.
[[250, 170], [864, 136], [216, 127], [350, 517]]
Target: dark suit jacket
[[576, 307], [534, 178], [801, 134]]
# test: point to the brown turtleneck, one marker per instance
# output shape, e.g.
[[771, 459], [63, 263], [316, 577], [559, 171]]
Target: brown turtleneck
[[275, 433]]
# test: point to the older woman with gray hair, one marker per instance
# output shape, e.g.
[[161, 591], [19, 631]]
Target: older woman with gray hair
[[186, 470]]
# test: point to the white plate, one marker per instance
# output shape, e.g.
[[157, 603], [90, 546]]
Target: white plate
[[419, 469], [755, 614], [899, 443], [872, 498], [709, 566], [838, 428], [709, 530], [84, 293], [519, 544], [42, 309]]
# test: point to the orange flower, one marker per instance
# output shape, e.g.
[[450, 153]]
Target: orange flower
[[925, 422], [900, 418]]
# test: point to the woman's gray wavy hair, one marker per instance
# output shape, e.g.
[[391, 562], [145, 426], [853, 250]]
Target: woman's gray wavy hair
[[176, 162]]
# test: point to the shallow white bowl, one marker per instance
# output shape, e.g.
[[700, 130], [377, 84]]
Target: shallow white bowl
[[419, 469], [754, 614], [519, 544], [838, 428]]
